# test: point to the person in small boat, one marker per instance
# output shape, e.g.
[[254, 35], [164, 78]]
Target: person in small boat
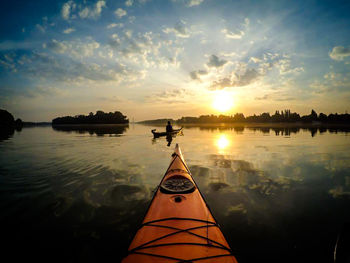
[[169, 128]]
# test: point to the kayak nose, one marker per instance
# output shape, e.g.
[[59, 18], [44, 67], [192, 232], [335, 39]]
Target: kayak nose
[[178, 150]]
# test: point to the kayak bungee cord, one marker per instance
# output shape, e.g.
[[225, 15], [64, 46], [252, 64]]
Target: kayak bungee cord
[[212, 224]]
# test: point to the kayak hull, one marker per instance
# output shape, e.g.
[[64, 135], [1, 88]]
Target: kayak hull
[[178, 226], [159, 134]]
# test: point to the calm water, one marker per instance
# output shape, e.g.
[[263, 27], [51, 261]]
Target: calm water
[[79, 195]]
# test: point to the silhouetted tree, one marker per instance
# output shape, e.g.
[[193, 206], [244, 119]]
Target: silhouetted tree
[[238, 117], [6, 119], [99, 118], [322, 117]]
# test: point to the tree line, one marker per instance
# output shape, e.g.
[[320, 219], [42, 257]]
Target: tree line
[[99, 117], [284, 116], [279, 116]]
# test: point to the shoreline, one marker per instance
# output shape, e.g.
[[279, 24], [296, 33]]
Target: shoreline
[[256, 125]]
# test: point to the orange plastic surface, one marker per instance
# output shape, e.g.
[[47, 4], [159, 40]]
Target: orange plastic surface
[[179, 239]]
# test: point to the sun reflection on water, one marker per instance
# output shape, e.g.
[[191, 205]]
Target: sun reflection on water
[[222, 142]]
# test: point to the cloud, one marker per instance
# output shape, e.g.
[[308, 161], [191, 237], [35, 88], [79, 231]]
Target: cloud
[[114, 41], [339, 53], [132, 19], [120, 12], [180, 30], [8, 62], [68, 30], [332, 76], [171, 96], [93, 12], [189, 3], [214, 61], [67, 8], [238, 33], [237, 80], [46, 91], [50, 68], [284, 66], [129, 2], [246, 22], [232, 54], [195, 75], [120, 25], [194, 2], [255, 60], [77, 48], [283, 63], [233, 35], [40, 28], [140, 45], [56, 46], [278, 96], [145, 50], [265, 97], [331, 82], [44, 25]]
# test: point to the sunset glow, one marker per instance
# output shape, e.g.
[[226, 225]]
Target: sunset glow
[[223, 101], [154, 59]]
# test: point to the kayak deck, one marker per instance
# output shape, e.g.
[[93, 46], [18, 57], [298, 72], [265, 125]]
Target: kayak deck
[[178, 226]]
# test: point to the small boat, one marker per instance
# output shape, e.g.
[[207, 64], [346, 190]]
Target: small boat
[[178, 226], [158, 134]]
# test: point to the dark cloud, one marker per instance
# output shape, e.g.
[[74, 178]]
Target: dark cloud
[[214, 61], [265, 97], [237, 80], [339, 53], [195, 75], [179, 93], [275, 97], [180, 30]]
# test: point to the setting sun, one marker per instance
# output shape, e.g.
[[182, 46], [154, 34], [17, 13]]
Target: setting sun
[[223, 101]]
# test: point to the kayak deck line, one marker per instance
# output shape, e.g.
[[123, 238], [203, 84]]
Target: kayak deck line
[[178, 218], [178, 225], [184, 260], [179, 230]]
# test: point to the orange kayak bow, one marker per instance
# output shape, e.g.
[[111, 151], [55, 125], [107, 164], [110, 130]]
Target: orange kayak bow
[[178, 226]]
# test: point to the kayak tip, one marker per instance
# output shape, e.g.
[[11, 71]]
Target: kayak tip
[[177, 150]]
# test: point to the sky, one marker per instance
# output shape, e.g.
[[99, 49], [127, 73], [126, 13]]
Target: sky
[[171, 58]]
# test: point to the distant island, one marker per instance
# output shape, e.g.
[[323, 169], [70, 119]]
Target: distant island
[[8, 121], [285, 116], [8, 124], [99, 117]]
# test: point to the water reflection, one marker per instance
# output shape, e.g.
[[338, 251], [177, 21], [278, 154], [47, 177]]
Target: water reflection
[[282, 130], [235, 175], [169, 138], [99, 130], [82, 198], [6, 133], [262, 207], [222, 142]]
